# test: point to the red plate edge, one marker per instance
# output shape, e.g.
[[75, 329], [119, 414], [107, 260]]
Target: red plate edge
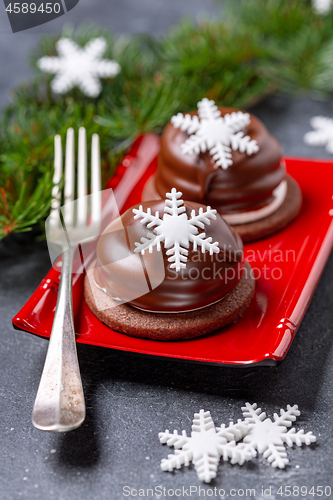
[[269, 333]]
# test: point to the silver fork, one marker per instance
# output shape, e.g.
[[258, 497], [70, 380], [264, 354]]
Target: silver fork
[[59, 404]]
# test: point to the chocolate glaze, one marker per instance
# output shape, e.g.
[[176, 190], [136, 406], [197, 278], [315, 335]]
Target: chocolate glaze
[[246, 185], [205, 280]]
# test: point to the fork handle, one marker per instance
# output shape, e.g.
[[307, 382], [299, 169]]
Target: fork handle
[[59, 404]]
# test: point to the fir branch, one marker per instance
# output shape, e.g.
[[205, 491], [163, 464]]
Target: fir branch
[[21, 206], [302, 63], [278, 19], [218, 60]]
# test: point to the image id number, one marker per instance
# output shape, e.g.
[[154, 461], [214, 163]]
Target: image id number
[[31, 8], [304, 491]]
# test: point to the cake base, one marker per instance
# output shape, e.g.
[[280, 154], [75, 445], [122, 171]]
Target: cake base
[[262, 228], [171, 326]]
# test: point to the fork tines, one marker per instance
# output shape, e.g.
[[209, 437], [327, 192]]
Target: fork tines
[[76, 214]]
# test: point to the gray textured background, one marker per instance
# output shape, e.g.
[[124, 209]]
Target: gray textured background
[[130, 399]]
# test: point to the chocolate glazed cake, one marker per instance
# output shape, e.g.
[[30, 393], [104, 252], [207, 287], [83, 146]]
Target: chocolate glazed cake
[[227, 159], [169, 271]]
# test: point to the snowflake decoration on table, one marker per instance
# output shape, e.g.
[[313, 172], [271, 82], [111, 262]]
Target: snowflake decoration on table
[[176, 230], [220, 135], [206, 445], [269, 437], [79, 67], [322, 6], [323, 133]]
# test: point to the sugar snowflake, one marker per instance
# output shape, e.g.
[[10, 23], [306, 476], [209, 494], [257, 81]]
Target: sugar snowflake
[[219, 135], [206, 445], [322, 6], [269, 437], [323, 133], [176, 230], [79, 67]]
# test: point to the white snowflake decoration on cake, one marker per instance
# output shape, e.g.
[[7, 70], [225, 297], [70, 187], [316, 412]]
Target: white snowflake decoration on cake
[[219, 135], [176, 230], [269, 437], [206, 445], [79, 67], [323, 133], [322, 6]]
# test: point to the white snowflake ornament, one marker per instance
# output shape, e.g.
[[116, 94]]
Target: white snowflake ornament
[[206, 445], [269, 437], [219, 135], [176, 230], [322, 7], [79, 67], [323, 133]]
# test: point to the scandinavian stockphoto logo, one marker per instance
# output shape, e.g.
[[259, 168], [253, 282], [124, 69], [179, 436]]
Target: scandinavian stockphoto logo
[[24, 14]]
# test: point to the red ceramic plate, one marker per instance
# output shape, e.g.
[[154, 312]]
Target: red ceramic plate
[[287, 267]]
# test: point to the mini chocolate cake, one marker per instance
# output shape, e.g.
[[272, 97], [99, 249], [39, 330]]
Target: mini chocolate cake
[[169, 271], [227, 159]]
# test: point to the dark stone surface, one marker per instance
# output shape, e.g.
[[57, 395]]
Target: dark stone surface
[[130, 399]]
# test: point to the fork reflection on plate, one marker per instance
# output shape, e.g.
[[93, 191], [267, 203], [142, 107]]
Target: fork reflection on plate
[[59, 404]]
